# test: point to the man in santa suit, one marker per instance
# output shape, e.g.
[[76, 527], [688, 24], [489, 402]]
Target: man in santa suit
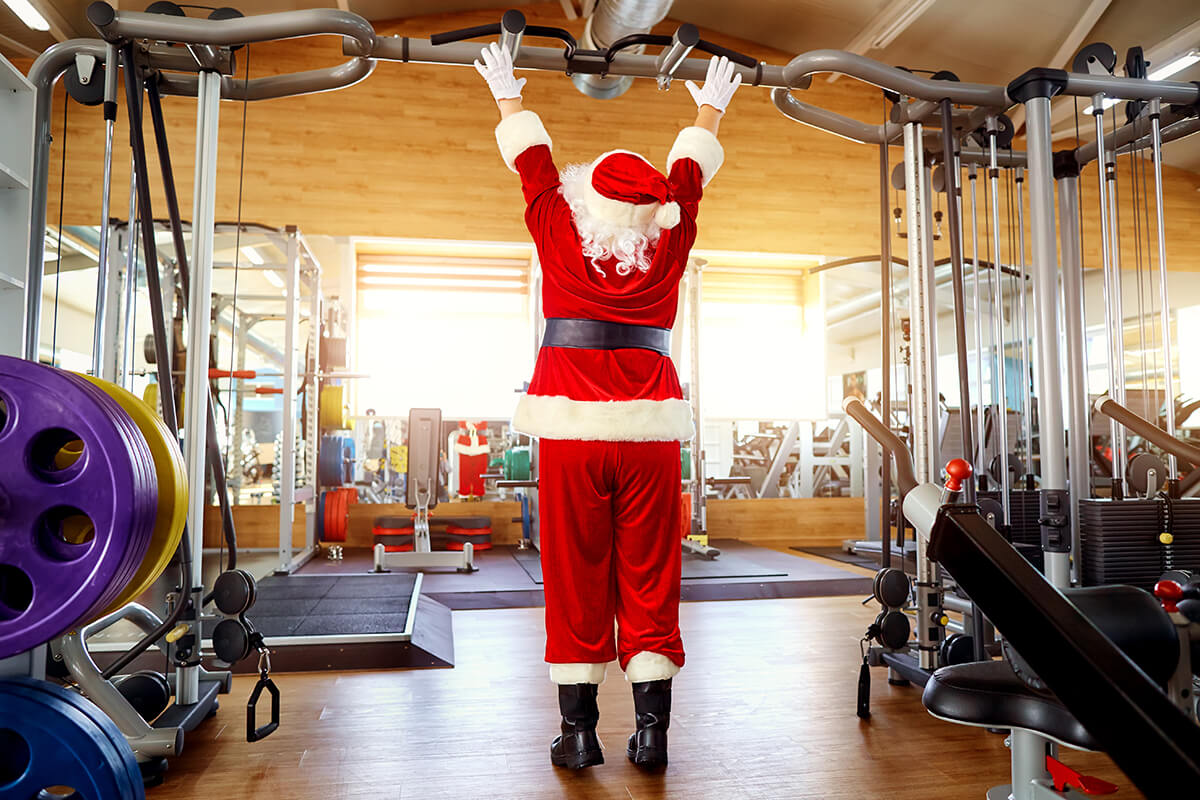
[[472, 452], [613, 239]]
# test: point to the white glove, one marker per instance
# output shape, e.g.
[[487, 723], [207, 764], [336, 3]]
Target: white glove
[[497, 70], [720, 83]]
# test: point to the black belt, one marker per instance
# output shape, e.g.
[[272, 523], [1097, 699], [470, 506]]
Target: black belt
[[594, 334]]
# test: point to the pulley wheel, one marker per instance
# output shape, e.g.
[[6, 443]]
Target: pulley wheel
[[70, 538], [53, 737], [231, 640], [1094, 58], [957, 648], [1140, 468], [892, 587], [171, 474], [234, 592], [894, 629], [89, 92]]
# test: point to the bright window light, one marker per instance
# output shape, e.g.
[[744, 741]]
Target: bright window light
[[252, 254], [28, 14], [274, 278], [486, 272], [1177, 64], [388, 280], [1106, 104]]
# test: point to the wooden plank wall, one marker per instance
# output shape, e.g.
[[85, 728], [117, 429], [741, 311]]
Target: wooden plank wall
[[814, 522], [409, 152], [256, 526]]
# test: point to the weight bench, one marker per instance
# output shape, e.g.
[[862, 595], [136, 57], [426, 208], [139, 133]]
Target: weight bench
[[424, 485], [1007, 694]]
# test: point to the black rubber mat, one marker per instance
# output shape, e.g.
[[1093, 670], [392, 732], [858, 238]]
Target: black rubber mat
[[865, 560], [727, 565], [317, 605]]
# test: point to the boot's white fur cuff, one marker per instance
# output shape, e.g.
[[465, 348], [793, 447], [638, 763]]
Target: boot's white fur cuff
[[568, 674], [646, 666]]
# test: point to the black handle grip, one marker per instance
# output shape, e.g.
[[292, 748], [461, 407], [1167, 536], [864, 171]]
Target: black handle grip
[[732, 55], [547, 32], [466, 33], [254, 734], [635, 39]]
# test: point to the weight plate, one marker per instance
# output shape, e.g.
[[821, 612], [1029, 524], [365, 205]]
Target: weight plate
[[71, 538], [516, 464], [171, 474], [332, 408], [48, 739]]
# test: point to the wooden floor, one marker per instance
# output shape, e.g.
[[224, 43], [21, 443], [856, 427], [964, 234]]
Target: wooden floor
[[764, 709]]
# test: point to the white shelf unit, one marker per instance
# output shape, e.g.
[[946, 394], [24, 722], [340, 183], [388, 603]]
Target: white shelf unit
[[16, 171]]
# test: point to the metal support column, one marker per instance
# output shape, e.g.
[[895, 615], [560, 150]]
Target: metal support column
[[979, 457], [1117, 328], [195, 424], [1164, 296], [1079, 463], [1113, 329], [999, 369], [287, 461], [125, 365], [1055, 504], [110, 346], [885, 335], [1023, 317], [240, 336], [698, 487], [923, 409], [111, 67]]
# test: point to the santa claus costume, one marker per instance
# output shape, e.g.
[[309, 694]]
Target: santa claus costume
[[613, 239], [472, 449]]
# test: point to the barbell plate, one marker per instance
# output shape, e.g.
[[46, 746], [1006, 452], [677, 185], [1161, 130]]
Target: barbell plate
[[51, 741], [171, 474], [46, 582]]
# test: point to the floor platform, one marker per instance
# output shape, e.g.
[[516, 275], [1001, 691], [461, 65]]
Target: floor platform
[[511, 578]]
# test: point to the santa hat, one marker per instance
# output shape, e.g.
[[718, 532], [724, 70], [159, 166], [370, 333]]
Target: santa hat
[[623, 188]]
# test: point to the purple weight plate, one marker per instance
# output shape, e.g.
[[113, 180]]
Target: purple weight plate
[[143, 460], [46, 583]]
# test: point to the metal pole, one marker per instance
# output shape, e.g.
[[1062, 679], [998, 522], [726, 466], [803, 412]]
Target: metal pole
[[885, 333], [933, 426], [1055, 503], [287, 481], [111, 68], [1026, 364], [1112, 329], [954, 226], [1117, 329], [695, 293], [1079, 411], [980, 456], [999, 370], [110, 344], [923, 371], [126, 362], [196, 409], [1164, 298]]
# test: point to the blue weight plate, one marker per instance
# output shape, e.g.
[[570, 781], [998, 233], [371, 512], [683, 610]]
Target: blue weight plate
[[60, 745], [97, 715]]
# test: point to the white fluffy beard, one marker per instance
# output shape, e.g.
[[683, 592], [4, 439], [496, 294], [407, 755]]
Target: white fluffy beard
[[601, 239]]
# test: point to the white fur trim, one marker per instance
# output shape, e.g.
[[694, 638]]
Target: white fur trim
[[701, 146], [471, 449], [518, 133], [557, 417], [667, 215], [647, 666], [570, 674]]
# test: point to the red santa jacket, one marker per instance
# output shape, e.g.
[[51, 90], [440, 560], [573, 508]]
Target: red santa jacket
[[605, 395]]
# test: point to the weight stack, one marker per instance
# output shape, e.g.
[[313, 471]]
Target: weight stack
[[1120, 543], [1025, 532], [396, 534], [1184, 526]]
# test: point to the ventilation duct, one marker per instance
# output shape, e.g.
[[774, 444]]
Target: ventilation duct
[[611, 21]]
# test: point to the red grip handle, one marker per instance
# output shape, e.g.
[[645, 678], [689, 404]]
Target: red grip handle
[[267, 390], [1169, 593], [231, 373], [957, 471]]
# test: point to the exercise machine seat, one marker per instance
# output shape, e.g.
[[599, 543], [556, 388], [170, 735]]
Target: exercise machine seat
[[992, 694], [989, 694]]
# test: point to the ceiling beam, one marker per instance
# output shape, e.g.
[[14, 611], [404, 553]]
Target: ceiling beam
[[344, 5], [893, 19], [60, 29], [17, 47]]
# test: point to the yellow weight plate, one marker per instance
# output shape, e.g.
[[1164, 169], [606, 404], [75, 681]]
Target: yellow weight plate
[[150, 397], [332, 413], [171, 473]]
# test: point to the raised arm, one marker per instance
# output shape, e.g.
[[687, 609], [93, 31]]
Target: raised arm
[[697, 155], [523, 141]]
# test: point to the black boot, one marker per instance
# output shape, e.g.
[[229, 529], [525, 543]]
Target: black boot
[[652, 705], [578, 746]]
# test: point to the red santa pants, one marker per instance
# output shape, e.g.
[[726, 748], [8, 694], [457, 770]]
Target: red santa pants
[[470, 474], [609, 516]]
